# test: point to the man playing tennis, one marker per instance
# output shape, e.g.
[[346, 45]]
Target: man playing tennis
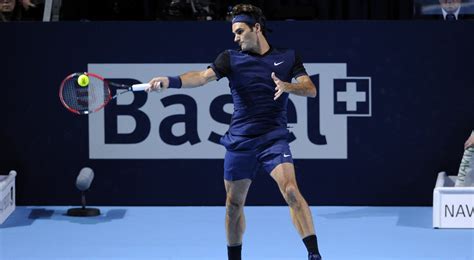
[[259, 77]]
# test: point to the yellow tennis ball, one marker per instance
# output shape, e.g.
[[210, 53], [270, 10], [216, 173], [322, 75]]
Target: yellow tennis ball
[[83, 80]]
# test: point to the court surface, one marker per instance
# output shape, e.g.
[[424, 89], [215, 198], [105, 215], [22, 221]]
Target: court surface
[[344, 233]]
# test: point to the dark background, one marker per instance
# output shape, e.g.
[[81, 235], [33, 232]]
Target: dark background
[[422, 110]]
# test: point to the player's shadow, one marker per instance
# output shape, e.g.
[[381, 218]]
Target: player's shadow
[[415, 217], [25, 216]]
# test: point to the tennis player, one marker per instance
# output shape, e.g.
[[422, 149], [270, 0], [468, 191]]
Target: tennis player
[[259, 80]]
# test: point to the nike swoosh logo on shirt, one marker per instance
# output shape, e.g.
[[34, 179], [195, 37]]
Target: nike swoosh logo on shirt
[[286, 155], [278, 63]]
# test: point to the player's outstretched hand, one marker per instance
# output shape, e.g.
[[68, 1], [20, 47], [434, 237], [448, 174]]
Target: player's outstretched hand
[[280, 86], [158, 84]]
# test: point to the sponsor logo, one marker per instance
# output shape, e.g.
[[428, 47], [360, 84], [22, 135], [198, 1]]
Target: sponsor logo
[[188, 123]]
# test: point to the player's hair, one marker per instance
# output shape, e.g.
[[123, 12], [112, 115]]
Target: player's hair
[[252, 11]]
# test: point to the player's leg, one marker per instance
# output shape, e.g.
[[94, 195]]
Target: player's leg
[[277, 161], [284, 175], [239, 170], [235, 218]]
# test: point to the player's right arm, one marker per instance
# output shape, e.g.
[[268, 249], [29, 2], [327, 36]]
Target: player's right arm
[[197, 78], [189, 79], [218, 69]]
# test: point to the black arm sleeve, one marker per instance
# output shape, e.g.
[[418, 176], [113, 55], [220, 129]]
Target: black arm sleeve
[[298, 68], [221, 66]]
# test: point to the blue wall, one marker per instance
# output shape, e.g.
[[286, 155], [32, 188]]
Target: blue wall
[[422, 111]]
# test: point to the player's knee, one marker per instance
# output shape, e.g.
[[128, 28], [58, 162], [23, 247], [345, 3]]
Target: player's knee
[[234, 207], [292, 196]]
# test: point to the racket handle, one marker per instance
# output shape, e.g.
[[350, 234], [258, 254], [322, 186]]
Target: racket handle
[[140, 87]]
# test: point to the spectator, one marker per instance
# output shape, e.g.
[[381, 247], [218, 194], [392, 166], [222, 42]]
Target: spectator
[[202, 10], [9, 11], [24, 10], [449, 10]]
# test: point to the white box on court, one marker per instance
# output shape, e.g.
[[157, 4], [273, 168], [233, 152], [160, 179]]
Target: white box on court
[[7, 195], [453, 207]]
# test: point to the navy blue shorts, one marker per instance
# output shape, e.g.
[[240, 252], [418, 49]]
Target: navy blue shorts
[[261, 152]]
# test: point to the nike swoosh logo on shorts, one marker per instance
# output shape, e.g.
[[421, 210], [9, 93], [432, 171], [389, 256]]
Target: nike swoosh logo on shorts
[[278, 63], [286, 155]]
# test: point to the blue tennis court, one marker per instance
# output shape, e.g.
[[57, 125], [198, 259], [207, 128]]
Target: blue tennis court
[[375, 233]]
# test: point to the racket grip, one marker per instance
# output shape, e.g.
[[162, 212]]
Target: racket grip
[[140, 87]]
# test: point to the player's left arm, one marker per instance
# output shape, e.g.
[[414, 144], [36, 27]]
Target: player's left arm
[[303, 87]]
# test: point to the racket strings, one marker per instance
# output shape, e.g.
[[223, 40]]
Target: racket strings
[[88, 98]]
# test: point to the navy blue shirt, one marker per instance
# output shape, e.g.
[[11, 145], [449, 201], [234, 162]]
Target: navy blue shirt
[[253, 89]]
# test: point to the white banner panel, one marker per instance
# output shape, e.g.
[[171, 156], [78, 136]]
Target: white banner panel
[[332, 125]]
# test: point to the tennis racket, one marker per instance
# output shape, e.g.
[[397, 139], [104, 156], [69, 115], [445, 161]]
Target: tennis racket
[[93, 96]]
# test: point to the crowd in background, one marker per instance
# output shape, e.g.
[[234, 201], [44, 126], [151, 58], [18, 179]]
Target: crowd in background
[[219, 10], [210, 10], [21, 10]]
